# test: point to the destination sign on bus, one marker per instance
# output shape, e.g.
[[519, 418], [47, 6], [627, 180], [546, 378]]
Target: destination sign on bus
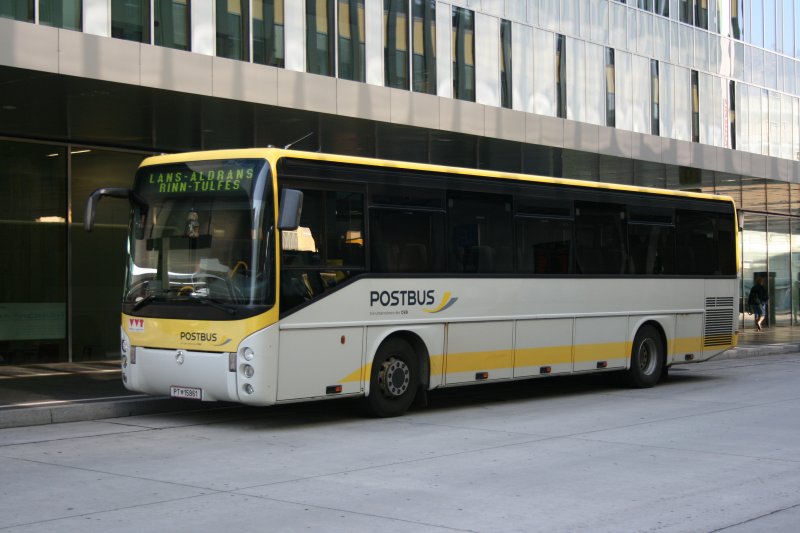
[[203, 177]]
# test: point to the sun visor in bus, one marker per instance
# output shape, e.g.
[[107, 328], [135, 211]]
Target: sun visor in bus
[[291, 207], [180, 243]]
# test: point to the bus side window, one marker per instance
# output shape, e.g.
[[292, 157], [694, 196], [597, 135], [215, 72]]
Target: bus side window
[[480, 233], [406, 240], [600, 238], [695, 244]]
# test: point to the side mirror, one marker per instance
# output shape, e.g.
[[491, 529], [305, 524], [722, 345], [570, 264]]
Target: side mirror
[[94, 198], [291, 207]]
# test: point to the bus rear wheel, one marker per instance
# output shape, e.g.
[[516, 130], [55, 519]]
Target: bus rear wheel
[[647, 358], [394, 379]]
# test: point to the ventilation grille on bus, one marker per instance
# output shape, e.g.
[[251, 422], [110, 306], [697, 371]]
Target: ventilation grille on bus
[[719, 321]]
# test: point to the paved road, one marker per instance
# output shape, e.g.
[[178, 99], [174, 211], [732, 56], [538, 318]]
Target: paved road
[[717, 448]]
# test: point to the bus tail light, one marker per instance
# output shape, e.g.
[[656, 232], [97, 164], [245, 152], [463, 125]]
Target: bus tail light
[[482, 375], [333, 389], [545, 369], [602, 364]]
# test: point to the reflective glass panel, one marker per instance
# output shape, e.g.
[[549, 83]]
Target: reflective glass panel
[[98, 258], [233, 29], [424, 46], [795, 266], [60, 13], [505, 63], [463, 54], [319, 37], [17, 10], [33, 253], [172, 24], [754, 260], [351, 40], [268, 35], [779, 249], [395, 47], [130, 20]]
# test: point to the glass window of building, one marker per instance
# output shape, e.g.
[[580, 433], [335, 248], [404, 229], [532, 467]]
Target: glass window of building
[[130, 20], [17, 10], [732, 114], [756, 24], [685, 11], [172, 25], [737, 19], [33, 253], [268, 42], [645, 4], [561, 76], [701, 14], [695, 107], [795, 266], [60, 14], [233, 29], [424, 43], [662, 7], [787, 20], [351, 40], [654, 98], [319, 37], [770, 21], [505, 63], [463, 54], [611, 92], [98, 257], [395, 43]]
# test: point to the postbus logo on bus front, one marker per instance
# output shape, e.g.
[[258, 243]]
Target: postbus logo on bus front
[[412, 298], [135, 324]]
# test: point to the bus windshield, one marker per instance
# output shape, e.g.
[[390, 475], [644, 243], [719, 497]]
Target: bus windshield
[[200, 233]]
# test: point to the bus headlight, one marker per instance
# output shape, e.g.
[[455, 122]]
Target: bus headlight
[[124, 361], [248, 388], [248, 371], [248, 354], [124, 346]]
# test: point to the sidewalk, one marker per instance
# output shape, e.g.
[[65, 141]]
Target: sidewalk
[[70, 392]]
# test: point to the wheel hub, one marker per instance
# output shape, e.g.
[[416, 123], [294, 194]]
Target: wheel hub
[[648, 355], [395, 377]]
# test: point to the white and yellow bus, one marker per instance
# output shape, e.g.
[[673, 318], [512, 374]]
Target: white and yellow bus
[[266, 276]]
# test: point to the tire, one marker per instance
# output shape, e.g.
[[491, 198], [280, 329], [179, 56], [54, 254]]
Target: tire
[[647, 359], [394, 379]]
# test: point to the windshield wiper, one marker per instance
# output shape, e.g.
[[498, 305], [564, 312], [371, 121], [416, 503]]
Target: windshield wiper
[[152, 296], [231, 310]]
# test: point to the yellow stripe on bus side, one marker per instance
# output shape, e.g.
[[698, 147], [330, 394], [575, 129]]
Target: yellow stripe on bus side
[[606, 350], [474, 361], [551, 355], [529, 357]]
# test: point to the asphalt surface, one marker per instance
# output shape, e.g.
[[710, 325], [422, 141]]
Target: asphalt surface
[[714, 448]]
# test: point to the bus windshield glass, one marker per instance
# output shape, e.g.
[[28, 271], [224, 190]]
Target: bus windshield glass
[[200, 233]]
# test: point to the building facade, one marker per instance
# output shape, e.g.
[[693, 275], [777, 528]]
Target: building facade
[[686, 94]]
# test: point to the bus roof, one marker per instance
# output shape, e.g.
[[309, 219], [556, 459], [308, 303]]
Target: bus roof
[[273, 154]]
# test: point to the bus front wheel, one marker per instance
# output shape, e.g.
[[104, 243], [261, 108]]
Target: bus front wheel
[[647, 358], [394, 379]]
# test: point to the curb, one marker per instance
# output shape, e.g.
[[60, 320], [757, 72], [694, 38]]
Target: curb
[[744, 352], [91, 410]]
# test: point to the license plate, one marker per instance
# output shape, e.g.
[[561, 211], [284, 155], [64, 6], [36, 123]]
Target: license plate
[[189, 393]]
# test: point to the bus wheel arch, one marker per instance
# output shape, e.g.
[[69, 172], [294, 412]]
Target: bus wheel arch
[[648, 356], [400, 371]]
